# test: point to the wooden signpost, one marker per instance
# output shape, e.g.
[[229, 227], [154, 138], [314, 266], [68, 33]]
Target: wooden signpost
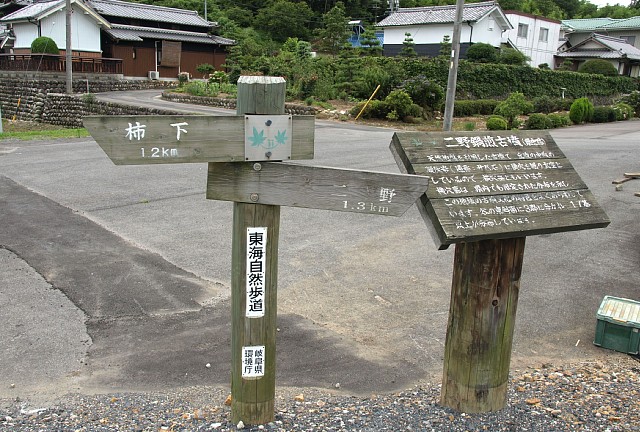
[[244, 154], [488, 191]]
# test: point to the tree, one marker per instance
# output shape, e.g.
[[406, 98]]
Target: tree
[[44, 45], [445, 46], [370, 43], [516, 104], [408, 47], [512, 56], [598, 66], [283, 19], [482, 53], [334, 31]]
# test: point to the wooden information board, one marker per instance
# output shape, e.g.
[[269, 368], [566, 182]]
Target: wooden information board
[[496, 184]]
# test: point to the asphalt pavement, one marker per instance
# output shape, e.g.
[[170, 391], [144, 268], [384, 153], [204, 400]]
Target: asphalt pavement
[[116, 278]]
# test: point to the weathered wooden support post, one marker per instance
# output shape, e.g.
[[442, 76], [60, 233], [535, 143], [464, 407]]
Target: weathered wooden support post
[[487, 192], [253, 326], [482, 314]]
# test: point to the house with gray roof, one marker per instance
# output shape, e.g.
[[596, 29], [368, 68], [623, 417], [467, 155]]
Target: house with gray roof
[[576, 31], [482, 22], [151, 41], [622, 55]]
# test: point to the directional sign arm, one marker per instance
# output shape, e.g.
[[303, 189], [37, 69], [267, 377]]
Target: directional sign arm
[[315, 187], [147, 139]]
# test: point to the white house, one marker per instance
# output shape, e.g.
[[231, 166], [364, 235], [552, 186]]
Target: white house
[[49, 19], [482, 22], [535, 36]]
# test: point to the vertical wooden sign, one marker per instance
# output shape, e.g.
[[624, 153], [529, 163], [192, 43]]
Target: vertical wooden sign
[[254, 279]]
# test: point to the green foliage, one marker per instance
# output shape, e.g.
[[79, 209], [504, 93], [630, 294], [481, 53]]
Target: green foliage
[[497, 123], [218, 77], [400, 102], [598, 66], [603, 114], [512, 56], [482, 53], [516, 104], [408, 47], [44, 45], [334, 31], [425, 93], [205, 69], [467, 108], [445, 47], [469, 126], [559, 120], [375, 109], [623, 111], [581, 110], [538, 121], [283, 18], [544, 66], [546, 105], [183, 77], [633, 100], [370, 44]]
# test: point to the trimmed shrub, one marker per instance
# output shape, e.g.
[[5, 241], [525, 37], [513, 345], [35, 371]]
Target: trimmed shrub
[[548, 105], [603, 114], [623, 111], [44, 45], [598, 66], [633, 100], [538, 121], [516, 104], [482, 53], [559, 120], [467, 108], [400, 102], [375, 109], [512, 56], [496, 123], [581, 111], [428, 94]]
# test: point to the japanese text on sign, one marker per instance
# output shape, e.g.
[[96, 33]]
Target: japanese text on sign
[[253, 361], [256, 272]]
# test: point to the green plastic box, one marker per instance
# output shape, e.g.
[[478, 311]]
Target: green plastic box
[[618, 326]]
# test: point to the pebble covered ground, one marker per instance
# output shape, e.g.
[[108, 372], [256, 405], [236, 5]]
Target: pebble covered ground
[[589, 396]]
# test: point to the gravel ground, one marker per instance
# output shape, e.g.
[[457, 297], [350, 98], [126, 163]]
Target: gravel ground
[[590, 396]]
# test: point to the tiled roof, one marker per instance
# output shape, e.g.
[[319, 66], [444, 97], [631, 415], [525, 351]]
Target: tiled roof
[[617, 48], [116, 8], [623, 24], [436, 14], [33, 10], [137, 34]]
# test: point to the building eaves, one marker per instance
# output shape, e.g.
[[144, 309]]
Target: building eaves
[[145, 12], [137, 34], [40, 10], [472, 12], [587, 24]]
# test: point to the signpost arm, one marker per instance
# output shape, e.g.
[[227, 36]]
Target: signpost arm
[[253, 397], [482, 314]]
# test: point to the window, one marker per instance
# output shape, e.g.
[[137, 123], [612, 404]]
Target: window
[[629, 39], [523, 29], [544, 34]]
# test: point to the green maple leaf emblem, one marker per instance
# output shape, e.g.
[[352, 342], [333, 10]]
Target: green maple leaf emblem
[[281, 137], [258, 138], [416, 142]]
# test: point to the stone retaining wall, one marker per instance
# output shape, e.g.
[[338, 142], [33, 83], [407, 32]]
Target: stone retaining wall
[[45, 99]]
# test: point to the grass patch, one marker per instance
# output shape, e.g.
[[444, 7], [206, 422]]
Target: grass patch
[[27, 131]]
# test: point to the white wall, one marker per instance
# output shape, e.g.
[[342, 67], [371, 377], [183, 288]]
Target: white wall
[[85, 33], [539, 51]]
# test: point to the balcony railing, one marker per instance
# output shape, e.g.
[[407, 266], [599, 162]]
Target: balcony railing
[[58, 63]]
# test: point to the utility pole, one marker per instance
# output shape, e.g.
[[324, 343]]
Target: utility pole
[[453, 67], [69, 51], [205, 10]]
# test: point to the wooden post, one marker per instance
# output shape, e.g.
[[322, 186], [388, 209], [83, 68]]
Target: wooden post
[[482, 314], [253, 397]]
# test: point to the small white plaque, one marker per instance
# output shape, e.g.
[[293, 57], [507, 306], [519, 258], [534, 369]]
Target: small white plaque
[[253, 361], [267, 137]]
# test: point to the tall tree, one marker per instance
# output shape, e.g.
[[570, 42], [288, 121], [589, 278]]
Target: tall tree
[[283, 18], [334, 31], [408, 46]]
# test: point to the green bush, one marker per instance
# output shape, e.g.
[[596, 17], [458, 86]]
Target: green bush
[[633, 100], [467, 108], [603, 114], [581, 110], [598, 66], [516, 104], [44, 45], [559, 120], [512, 56], [400, 102], [375, 109], [497, 123], [546, 105], [623, 111], [428, 94], [482, 53], [538, 121]]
